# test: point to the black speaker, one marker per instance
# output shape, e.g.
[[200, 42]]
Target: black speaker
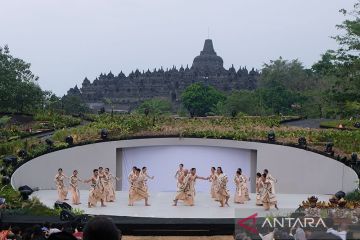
[[340, 194], [67, 215], [62, 205]]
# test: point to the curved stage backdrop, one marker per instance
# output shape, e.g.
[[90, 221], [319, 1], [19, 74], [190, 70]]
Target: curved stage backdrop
[[297, 170]]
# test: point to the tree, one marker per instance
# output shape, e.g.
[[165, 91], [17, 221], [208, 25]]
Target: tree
[[243, 101], [282, 86], [288, 74], [73, 105], [341, 66], [154, 106], [52, 102], [199, 99], [19, 91]]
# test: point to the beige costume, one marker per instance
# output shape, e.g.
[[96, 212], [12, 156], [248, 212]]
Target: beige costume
[[74, 189], [96, 193], [62, 191], [223, 192], [268, 197], [137, 190], [259, 191]]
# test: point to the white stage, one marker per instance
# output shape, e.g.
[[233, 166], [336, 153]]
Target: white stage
[[161, 205]]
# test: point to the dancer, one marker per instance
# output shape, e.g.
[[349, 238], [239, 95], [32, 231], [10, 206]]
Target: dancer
[[245, 189], [146, 177], [96, 190], [240, 188], [268, 197], [223, 191], [109, 192], [271, 179], [259, 189], [213, 179], [178, 174], [138, 191], [75, 193], [187, 189], [112, 181], [60, 185], [132, 174]]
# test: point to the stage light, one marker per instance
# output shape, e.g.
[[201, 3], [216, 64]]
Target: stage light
[[104, 134], [354, 158], [62, 205], [5, 180], [146, 111], [3, 171], [357, 124], [25, 194], [328, 148], [69, 140], [67, 215], [271, 137], [22, 153], [10, 160], [302, 142], [340, 194], [49, 142]]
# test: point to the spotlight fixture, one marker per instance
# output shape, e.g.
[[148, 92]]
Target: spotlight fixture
[[328, 148], [49, 142], [22, 153], [5, 180], [354, 158], [69, 140], [146, 111], [271, 137], [25, 194], [302, 142], [104, 134], [10, 160]]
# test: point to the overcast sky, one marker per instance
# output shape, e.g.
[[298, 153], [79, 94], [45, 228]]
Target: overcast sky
[[67, 40]]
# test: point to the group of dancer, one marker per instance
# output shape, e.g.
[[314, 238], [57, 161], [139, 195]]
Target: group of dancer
[[265, 187], [103, 187]]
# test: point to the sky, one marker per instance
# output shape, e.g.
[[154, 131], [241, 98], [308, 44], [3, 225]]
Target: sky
[[68, 40]]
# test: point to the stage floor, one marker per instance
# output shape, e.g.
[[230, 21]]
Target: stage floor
[[161, 206]]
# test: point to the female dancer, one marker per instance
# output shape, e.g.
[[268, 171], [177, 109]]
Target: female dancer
[[179, 173], [259, 189], [146, 177], [112, 182], [187, 188], [240, 188], [268, 197], [109, 192], [75, 193], [213, 179], [60, 185], [223, 191], [245, 185], [96, 190], [271, 179], [137, 191]]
